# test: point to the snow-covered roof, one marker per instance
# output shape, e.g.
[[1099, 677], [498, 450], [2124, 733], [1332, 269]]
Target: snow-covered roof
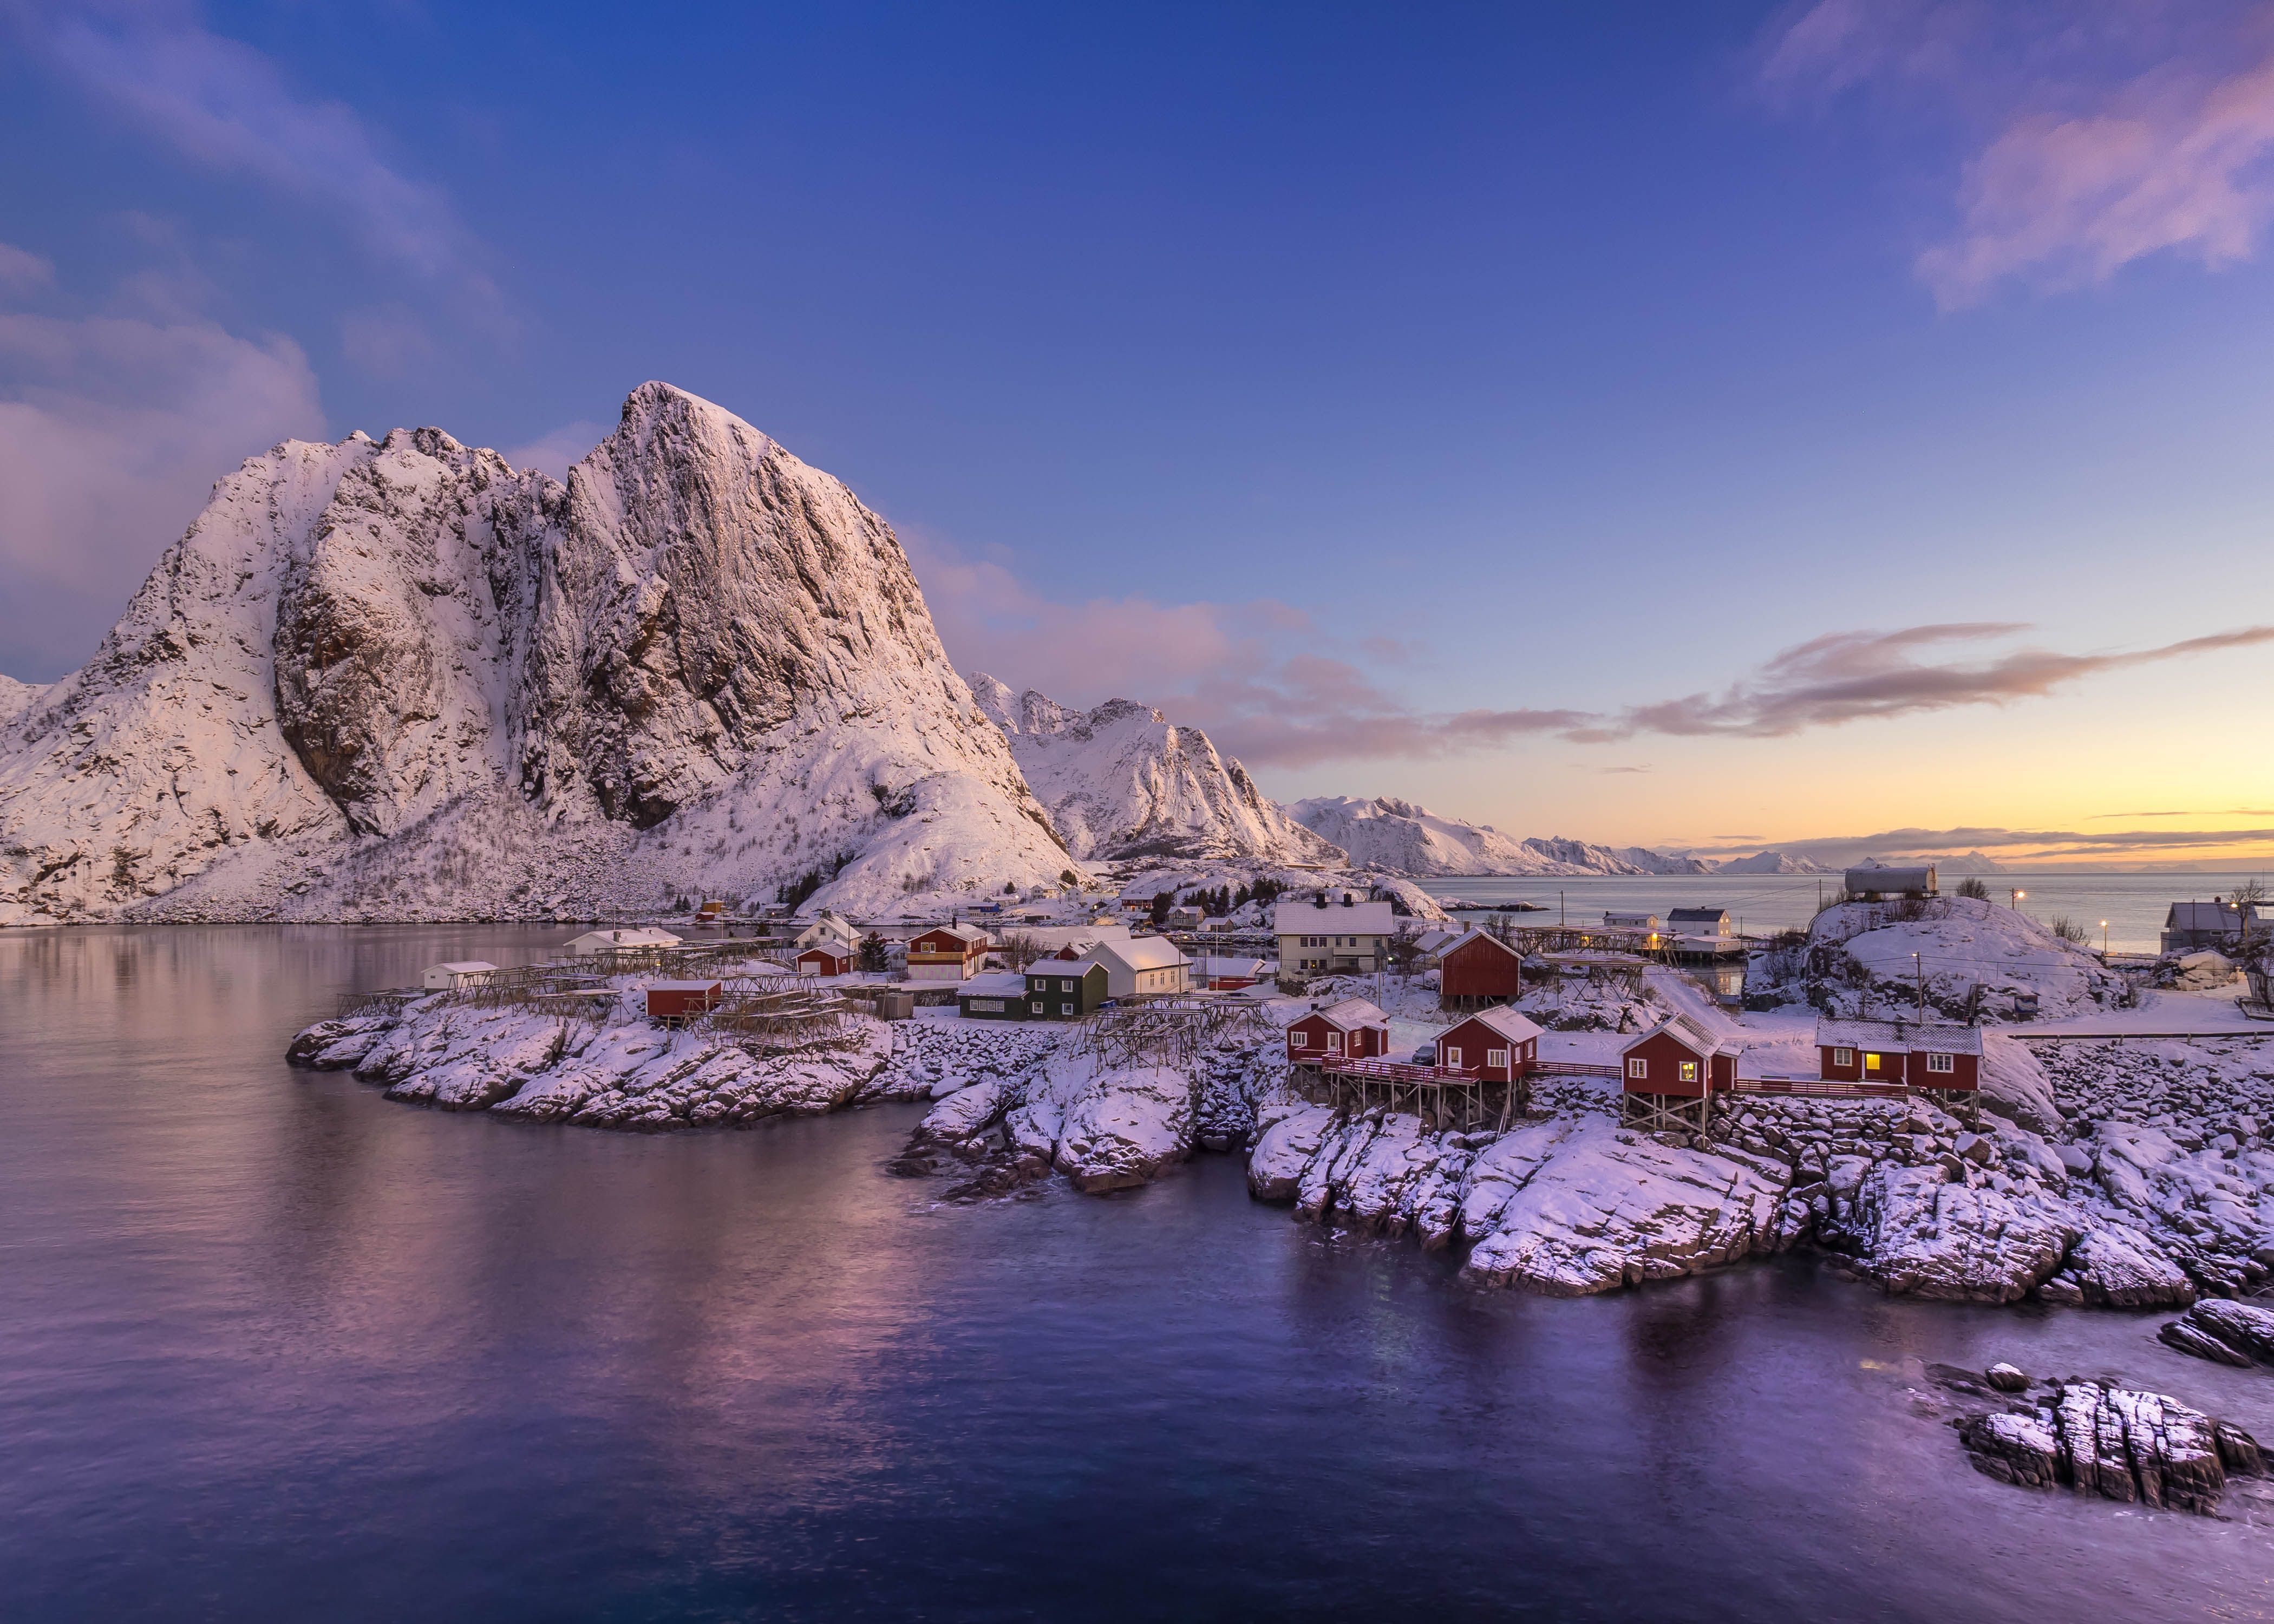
[[1069, 967], [996, 984], [594, 939], [1697, 917], [1696, 1034], [1437, 938], [1906, 1036], [1350, 1014], [834, 950], [1214, 965], [1511, 1023], [1357, 919], [1140, 954], [462, 967], [2217, 915], [684, 986], [1467, 936], [969, 935]]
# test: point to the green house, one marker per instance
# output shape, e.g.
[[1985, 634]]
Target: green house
[[999, 997], [1061, 990]]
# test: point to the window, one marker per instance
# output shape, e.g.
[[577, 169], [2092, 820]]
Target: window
[[1941, 1063], [1871, 1062], [1638, 1067], [1496, 1057], [1035, 1006], [1689, 1070], [1334, 1042], [1066, 1009], [991, 1006], [1843, 1056], [1453, 1057], [1299, 1040]]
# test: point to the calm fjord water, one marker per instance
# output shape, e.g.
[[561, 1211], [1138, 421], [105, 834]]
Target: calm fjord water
[[271, 1347]]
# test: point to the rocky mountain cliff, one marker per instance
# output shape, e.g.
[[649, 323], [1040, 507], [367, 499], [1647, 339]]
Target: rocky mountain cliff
[[1771, 862], [401, 679], [1122, 782], [1390, 833]]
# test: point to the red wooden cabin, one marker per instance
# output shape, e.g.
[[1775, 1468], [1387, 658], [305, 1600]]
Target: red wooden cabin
[[1497, 1045], [678, 1000], [947, 952], [1477, 972], [1680, 1057], [823, 958], [1351, 1030], [1915, 1054]]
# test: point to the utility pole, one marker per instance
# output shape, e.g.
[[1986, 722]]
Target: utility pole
[[1918, 968], [1560, 921]]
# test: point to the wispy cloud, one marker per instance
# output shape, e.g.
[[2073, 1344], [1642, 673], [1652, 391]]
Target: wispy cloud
[[2015, 844], [1856, 676], [2100, 133], [556, 452], [1280, 700], [223, 104]]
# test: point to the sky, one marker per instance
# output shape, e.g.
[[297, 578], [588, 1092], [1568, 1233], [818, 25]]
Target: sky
[[1832, 426]]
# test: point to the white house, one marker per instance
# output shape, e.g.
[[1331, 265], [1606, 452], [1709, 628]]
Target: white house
[[1333, 933], [621, 941], [1143, 966], [1631, 921], [1698, 921], [459, 973], [830, 929]]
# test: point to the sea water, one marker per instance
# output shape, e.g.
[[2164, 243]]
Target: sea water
[[272, 1346]]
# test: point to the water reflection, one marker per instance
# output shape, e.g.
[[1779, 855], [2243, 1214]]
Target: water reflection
[[273, 1346]]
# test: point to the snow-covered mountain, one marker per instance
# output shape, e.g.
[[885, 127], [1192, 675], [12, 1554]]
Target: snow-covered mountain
[[1389, 833], [1585, 858], [14, 696], [1398, 834], [1122, 782], [401, 679], [1771, 862]]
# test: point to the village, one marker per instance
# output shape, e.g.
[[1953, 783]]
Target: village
[[1309, 959]]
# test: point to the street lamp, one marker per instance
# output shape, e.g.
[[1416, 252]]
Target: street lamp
[[2017, 896]]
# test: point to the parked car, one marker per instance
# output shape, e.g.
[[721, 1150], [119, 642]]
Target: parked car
[[1427, 1054]]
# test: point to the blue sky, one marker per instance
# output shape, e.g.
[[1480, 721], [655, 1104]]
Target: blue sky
[[1467, 403]]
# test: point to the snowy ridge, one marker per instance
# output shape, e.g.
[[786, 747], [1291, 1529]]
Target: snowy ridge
[[1122, 782], [1771, 862], [399, 679], [14, 698], [1399, 836]]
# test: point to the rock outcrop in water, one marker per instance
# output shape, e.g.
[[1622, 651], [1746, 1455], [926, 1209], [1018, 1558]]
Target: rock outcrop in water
[[2240, 1334], [2102, 1439]]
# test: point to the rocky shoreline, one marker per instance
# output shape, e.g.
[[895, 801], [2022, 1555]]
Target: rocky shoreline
[[2125, 1176]]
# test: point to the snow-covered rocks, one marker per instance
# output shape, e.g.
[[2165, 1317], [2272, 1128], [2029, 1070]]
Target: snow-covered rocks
[[399, 679], [1123, 1126], [2228, 1332], [2115, 1442], [1570, 1208], [1968, 956], [1123, 783]]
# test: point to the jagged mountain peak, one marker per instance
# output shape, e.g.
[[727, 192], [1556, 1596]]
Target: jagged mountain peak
[[699, 663], [1124, 782]]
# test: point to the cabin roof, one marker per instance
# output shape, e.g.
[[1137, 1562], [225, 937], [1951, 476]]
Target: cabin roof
[[1140, 953], [996, 984], [1511, 1023], [1350, 1014], [1694, 1034], [1908, 1036]]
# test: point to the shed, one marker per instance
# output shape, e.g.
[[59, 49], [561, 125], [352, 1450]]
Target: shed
[[1056, 990], [1222, 974], [824, 959], [457, 973], [1874, 881], [1477, 970], [1912, 1054], [1497, 1045], [676, 1000], [999, 997], [1351, 1030]]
